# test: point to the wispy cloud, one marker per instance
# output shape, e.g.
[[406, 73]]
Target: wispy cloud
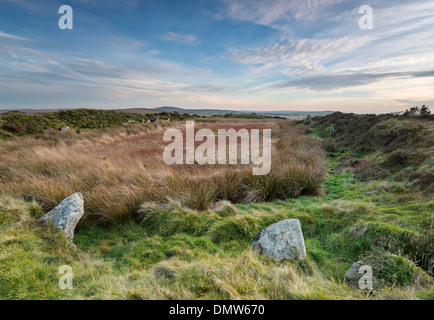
[[49, 76], [256, 54], [331, 82], [189, 39], [12, 37], [275, 13], [392, 60], [296, 57]]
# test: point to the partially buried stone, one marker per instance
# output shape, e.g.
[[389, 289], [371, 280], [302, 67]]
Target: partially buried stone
[[282, 240], [67, 214]]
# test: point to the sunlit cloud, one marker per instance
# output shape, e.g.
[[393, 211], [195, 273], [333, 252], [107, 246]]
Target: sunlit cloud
[[246, 54]]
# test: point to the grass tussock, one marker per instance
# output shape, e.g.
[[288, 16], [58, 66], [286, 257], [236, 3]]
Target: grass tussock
[[174, 252], [297, 169], [119, 169], [193, 225]]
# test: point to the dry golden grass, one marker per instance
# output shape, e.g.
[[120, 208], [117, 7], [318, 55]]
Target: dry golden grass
[[121, 168]]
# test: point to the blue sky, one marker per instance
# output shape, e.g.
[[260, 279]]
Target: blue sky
[[227, 54]]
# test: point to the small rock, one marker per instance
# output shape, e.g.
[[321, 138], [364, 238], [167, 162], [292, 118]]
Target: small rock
[[67, 214], [282, 240], [63, 129], [353, 274]]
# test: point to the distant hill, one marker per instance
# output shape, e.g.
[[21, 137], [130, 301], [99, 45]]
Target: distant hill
[[32, 111], [203, 112], [214, 112]]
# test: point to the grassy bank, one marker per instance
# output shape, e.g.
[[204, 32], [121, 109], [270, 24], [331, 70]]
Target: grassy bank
[[378, 147]]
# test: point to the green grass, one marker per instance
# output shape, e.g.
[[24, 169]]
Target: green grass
[[173, 252]]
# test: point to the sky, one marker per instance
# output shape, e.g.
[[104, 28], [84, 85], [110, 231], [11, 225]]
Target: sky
[[226, 54]]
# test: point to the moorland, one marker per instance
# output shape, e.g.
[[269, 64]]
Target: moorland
[[153, 231]]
